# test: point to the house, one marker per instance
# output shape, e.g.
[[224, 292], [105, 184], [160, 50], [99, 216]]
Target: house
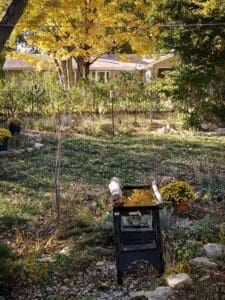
[[105, 67]]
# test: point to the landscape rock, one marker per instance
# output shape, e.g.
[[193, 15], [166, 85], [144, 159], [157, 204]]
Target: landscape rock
[[140, 295], [220, 130], [165, 130], [65, 251], [32, 135], [15, 152], [183, 223], [204, 278], [38, 146], [214, 250], [179, 281], [160, 293], [203, 262], [29, 149], [46, 259]]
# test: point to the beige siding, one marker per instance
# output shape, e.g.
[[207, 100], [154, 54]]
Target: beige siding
[[165, 64]]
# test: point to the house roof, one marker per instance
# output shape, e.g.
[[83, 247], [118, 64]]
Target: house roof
[[24, 65], [104, 63]]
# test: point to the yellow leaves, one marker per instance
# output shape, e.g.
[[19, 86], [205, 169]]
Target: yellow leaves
[[85, 27], [36, 60], [139, 197], [208, 6]]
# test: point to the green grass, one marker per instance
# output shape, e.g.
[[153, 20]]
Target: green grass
[[27, 180]]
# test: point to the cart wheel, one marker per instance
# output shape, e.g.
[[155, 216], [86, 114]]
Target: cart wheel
[[119, 278]]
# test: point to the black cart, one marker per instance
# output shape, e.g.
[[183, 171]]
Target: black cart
[[137, 237]]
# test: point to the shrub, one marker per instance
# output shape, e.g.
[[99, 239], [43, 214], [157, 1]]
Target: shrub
[[166, 220], [177, 192], [29, 270], [204, 230], [14, 122], [106, 128], [5, 255], [187, 249], [189, 120], [4, 133], [77, 219], [213, 187], [105, 235]]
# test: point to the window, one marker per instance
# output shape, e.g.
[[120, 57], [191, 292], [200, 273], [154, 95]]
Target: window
[[101, 76]]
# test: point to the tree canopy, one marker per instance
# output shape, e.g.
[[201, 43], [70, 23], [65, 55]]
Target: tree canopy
[[196, 32], [84, 30], [194, 29]]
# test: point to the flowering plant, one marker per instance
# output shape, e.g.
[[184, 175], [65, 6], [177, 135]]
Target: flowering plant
[[177, 192], [4, 133]]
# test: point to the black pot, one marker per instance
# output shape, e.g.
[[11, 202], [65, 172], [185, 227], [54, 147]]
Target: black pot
[[4, 144], [14, 129]]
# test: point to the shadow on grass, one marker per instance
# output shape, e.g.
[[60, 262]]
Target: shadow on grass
[[135, 159]]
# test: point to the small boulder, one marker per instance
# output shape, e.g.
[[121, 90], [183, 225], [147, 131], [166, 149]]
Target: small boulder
[[140, 295], [38, 146], [46, 259], [165, 129], [179, 281], [203, 262], [214, 250], [65, 251], [160, 293], [29, 149]]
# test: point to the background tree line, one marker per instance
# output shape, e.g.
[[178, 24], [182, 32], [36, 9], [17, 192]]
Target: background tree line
[[193, 29]]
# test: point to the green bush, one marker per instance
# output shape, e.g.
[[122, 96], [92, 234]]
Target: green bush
[[166, 220], [189, 120], [177, 192], [5, 255], [105, 234], [204, 230], [29, 270], [187, 249], [213, 188], [11, 218]]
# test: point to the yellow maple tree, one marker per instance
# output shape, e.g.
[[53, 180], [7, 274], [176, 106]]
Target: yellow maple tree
[[84, 30]]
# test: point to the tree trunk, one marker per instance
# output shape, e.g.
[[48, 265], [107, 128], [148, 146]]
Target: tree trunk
[[11, 17], [86, 70], [58, 123], [83, 68], [66, 73], [79, 61]]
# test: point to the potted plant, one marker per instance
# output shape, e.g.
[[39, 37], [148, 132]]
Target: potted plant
[[14, 125], [4, 137], [179, 193]]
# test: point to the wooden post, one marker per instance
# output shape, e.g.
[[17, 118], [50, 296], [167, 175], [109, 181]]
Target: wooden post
[[111, 97]]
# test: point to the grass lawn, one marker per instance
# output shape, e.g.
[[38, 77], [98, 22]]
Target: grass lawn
[[88, 163], [27, 180]]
